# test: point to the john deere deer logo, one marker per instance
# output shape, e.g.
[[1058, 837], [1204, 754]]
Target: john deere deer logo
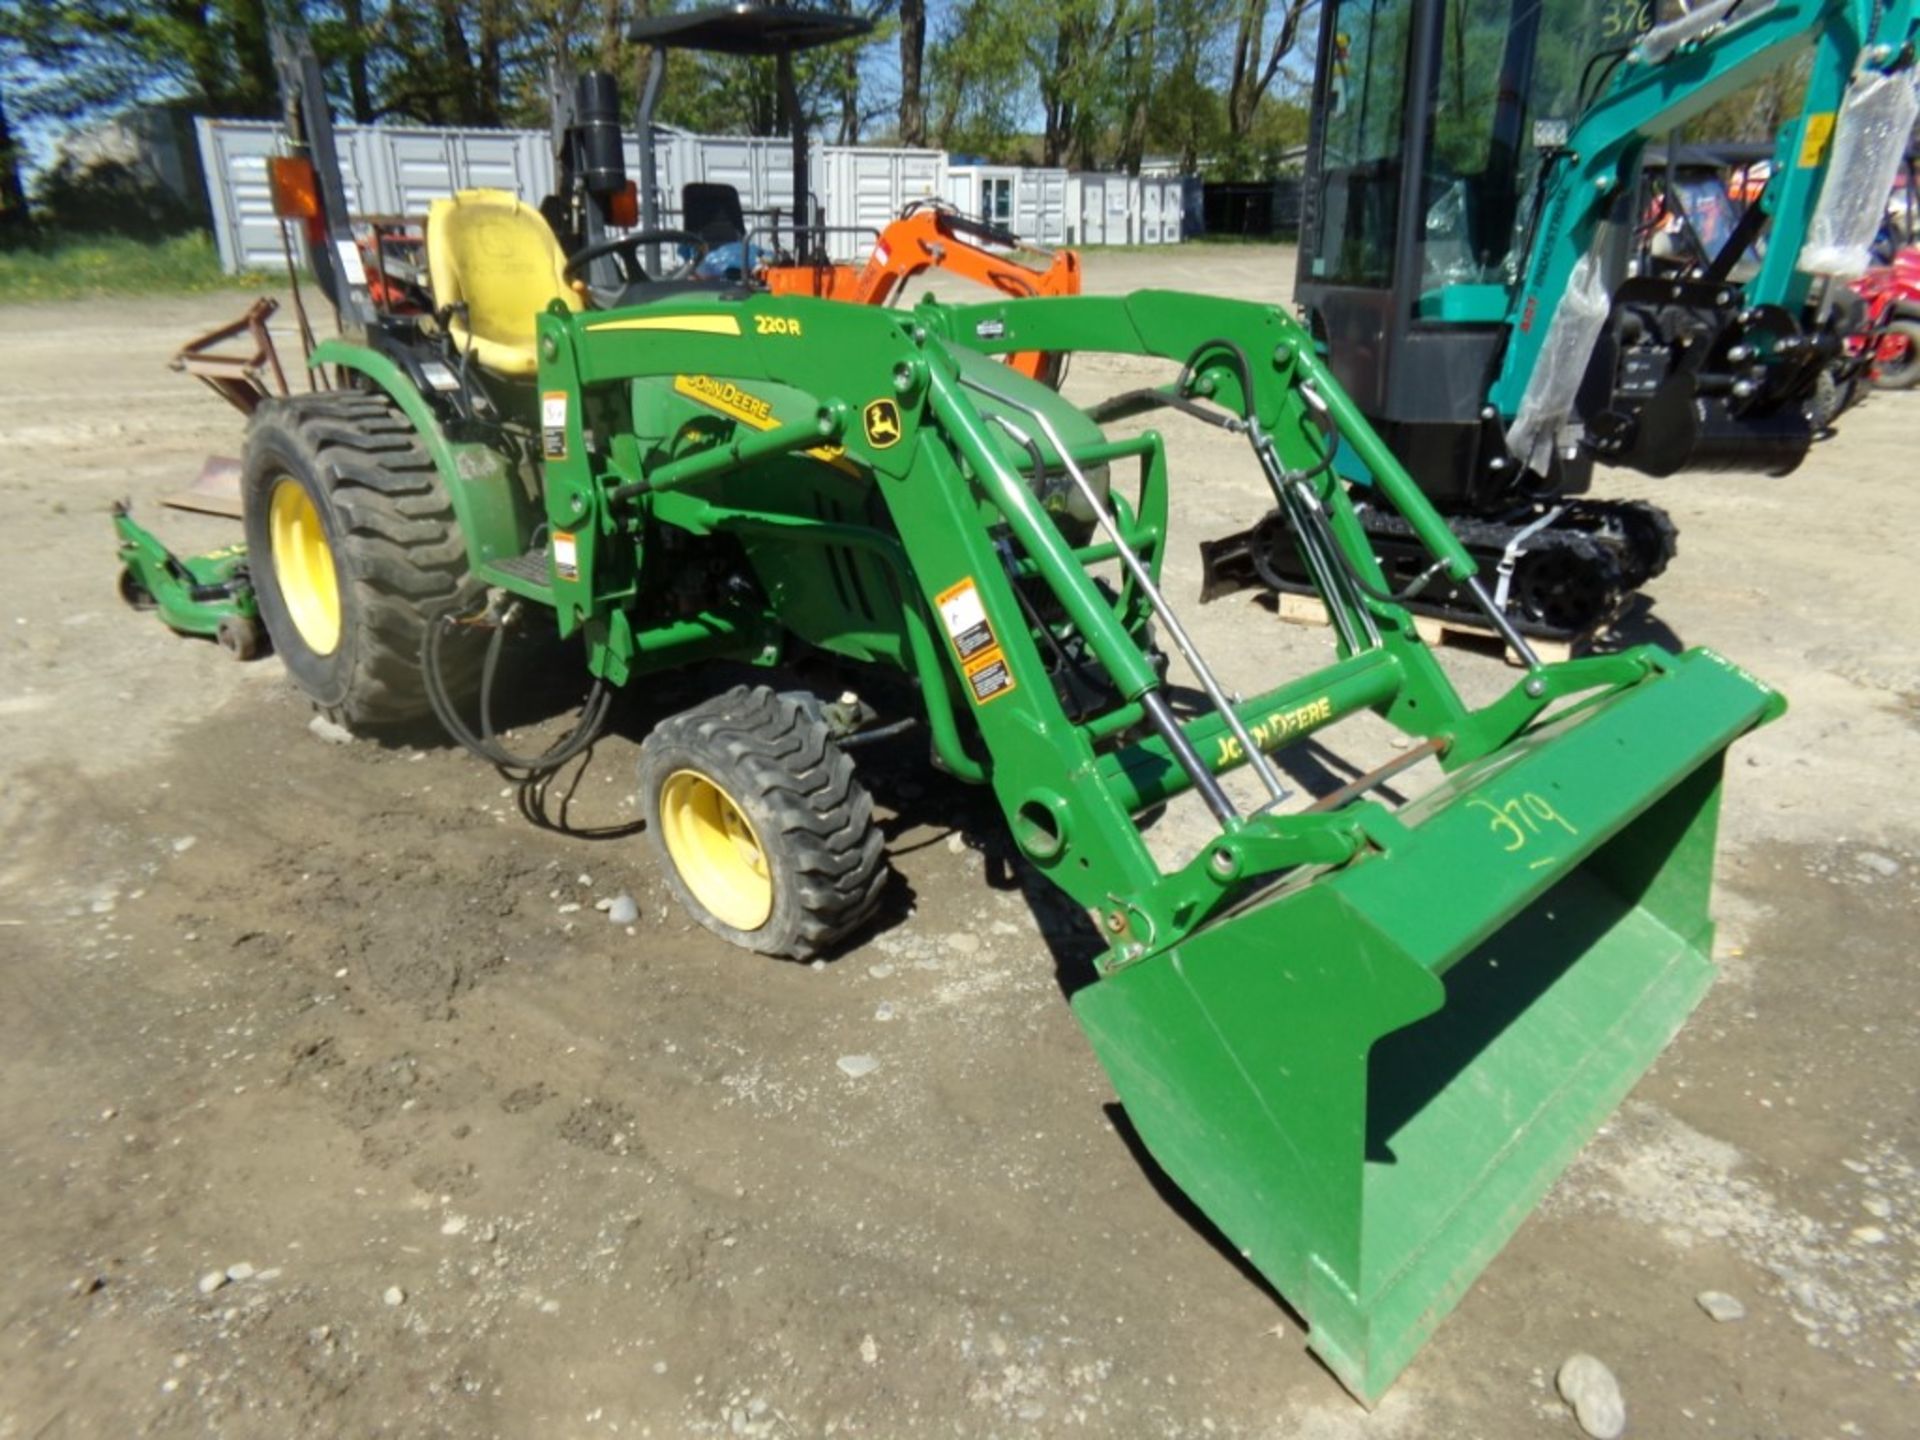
[[882, 418]]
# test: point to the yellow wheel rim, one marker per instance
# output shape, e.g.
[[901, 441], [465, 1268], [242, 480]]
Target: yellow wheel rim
[[713, 846], [303, 563]]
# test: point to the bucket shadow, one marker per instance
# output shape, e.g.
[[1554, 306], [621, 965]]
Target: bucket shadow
[[1487, 991], [1176, 1200], [1637, 624], [925, 799]]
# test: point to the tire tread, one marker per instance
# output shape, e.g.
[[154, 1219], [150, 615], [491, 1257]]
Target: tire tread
[[400, 546], [777, 755]]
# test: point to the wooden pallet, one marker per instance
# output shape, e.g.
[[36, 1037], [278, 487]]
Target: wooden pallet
[[1308, 610]]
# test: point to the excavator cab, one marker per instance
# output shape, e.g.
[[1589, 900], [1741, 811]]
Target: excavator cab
[[1418, 211]]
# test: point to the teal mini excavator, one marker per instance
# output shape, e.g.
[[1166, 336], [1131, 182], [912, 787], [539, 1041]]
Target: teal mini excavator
[[1468, 268]]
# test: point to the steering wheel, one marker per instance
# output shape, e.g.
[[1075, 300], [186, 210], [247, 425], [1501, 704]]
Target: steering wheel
[[627, 249]]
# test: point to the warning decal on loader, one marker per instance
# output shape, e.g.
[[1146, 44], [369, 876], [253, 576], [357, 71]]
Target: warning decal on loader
[[553, 424], [981, 659], [966, 620], [989, 678]]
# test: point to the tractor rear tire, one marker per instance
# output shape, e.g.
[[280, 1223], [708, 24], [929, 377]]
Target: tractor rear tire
[[768, 837], [352, 546]]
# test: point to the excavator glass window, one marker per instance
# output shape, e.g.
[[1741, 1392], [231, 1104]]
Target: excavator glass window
[[1506, 89], [1502, 83], [996, 201], [1361, 142]]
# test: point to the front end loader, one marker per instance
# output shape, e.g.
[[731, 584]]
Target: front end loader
[[1363, 1029], [1364, 1037]]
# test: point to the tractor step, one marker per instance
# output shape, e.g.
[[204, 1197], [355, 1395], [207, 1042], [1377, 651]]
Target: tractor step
[[529, 575], [535, 567]]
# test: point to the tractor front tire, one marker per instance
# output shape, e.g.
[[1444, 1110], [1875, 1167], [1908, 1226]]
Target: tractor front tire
[[1900, 371], [352, 546], [768, 837]]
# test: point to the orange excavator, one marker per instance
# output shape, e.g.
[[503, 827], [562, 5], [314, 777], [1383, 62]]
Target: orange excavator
[[931, 234]]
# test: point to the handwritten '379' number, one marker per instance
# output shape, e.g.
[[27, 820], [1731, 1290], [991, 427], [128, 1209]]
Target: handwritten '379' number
[[1520, 819]]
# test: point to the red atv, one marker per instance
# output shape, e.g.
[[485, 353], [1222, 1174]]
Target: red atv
[[1889, 334]]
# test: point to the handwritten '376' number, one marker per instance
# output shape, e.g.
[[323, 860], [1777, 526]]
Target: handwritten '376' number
[[1625, 17], [1520, 819]]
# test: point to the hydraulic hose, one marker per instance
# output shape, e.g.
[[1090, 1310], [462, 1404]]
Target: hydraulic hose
[[522, 768]]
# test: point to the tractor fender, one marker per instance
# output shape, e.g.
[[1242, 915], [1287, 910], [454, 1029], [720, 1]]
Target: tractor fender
[[496, 513]]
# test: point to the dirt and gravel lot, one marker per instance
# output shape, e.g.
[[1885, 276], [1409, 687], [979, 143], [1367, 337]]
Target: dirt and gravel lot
[[330, 1105]]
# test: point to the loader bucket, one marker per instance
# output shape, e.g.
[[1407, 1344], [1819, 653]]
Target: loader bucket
[[1368, 1076]]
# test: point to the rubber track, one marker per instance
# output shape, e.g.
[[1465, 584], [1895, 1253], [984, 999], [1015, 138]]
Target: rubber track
[[1486, 540], [781, 755], [1643, 535]]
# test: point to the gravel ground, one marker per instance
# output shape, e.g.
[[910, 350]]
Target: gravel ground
[[333, 1106]]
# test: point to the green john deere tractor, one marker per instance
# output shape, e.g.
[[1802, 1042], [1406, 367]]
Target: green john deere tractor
[[1363, 1034]]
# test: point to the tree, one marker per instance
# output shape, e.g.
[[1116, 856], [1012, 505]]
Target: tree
[[353, 50], [1256, 63], [842, 69], [995, 60], [913, 51], [980, 90], [1071, 52], [1186, 113], [13, 194], [1756, 112], [1136, 65], [91, 55], [23, 45]]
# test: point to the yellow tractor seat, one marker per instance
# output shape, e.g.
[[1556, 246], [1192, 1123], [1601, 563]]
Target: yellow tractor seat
[[496, 255]]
